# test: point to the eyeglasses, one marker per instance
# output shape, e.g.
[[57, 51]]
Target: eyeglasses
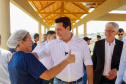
[[109, 31], [120, 34]]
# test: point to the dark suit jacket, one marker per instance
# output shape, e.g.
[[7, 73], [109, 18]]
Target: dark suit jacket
[[99, 58]]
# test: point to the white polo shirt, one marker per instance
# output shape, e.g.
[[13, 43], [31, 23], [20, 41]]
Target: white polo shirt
[[47, 62], [4, 59], [57, 48]]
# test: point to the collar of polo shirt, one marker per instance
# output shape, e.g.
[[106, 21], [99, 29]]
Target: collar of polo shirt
[[72, 39]]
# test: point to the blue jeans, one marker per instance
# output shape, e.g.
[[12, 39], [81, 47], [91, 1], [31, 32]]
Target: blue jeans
[[85, 76], [56, 81], [123, 82]]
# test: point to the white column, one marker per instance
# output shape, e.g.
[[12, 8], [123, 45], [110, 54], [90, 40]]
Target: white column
[[44, 30], [40, 33], [85, 29], [4, 22], [76, 31], [72, 30], [48, 29]]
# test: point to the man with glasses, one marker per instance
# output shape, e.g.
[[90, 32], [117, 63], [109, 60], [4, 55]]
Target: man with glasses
[[121, 34], [106, 56]]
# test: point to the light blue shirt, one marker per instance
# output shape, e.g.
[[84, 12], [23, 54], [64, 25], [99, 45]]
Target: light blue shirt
[[121, 74], [123, 40]]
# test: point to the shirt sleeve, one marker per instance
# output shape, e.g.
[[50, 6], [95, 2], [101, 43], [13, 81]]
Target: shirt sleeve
[[87, 56], [122, 66], [38, 47], [9, 56], [45, 52], [35, 67]]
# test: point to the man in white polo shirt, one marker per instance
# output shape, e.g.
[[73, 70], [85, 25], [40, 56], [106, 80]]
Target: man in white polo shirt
[[47, 62], [59, 48]]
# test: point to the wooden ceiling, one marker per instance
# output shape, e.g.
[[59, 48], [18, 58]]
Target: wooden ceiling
[[49, 10]]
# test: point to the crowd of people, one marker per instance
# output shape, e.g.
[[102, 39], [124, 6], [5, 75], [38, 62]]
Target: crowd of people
[[66, 59]]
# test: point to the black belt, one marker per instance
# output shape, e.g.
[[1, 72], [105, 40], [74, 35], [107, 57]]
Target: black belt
[[79, 80]]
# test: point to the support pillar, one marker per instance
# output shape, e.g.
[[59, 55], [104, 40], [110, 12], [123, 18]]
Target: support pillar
[[48, 29], [85, 29], [72, 30], [4, 22], [44, 30], [40, 33], [76, 31]]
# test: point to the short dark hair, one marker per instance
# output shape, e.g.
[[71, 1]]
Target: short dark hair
[[50, 33], [120, 30], [36, 35], [44, 34], [65, 20], [98, 36], [86, 38]]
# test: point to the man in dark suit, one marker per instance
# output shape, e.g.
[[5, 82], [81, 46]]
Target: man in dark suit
[[106, 56]]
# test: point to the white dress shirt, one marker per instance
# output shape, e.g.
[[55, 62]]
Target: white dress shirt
[[108, 57], [47, 62], [4, 59], [57, 48], [121, 74]]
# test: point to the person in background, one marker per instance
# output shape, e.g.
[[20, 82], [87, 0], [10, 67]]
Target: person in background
[[98, 37], [106, 56], [121, 74], [47, 62], [4, 60], [85, 72], [87, 40], [36, 38], [24, 67], [121, 34], [44, 37]]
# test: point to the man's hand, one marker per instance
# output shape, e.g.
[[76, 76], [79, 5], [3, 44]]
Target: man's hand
[[71, 57], [112, 74]]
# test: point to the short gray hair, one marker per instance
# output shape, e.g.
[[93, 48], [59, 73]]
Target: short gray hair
[[115, 25]]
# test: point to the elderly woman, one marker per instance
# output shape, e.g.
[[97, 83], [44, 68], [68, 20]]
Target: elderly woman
[[24, 67]]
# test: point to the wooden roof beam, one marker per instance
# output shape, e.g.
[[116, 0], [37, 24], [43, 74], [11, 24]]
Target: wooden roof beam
[[54, 19], [51, 23], [62, 8], [50, 14], [78, 18], [85, 9], [103, 9], [69, 11], [46, 6], [69, 0], [63, 12], [96, 5]]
